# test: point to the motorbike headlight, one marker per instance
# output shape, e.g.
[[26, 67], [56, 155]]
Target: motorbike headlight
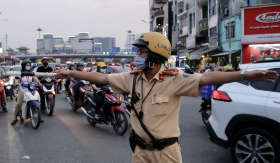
[[110, 89], [32, 86], [48, 79]]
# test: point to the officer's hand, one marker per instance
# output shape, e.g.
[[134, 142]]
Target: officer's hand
[[261, 75], [62, 73]]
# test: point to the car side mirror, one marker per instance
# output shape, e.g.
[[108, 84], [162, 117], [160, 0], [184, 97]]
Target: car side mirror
[[109, 72]]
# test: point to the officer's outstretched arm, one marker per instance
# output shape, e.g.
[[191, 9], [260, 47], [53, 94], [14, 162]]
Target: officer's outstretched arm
[[93, 77], [219, 78]]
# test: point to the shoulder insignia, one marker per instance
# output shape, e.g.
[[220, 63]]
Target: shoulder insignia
[[170, 72], [135, 71]]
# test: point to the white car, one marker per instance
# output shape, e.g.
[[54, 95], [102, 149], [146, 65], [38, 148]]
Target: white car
[[246, 117]]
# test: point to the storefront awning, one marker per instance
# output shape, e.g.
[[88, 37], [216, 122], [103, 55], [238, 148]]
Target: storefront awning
[[183, 53], [223, 53], [209, 49], [197, 53]]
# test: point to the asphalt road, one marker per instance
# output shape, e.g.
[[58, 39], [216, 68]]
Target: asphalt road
[[66, 136]]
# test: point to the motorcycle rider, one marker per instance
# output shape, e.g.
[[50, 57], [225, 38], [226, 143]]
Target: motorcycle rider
[[227, 68], [188, 70], [99, 98], [39, 64], [44, 68], [132, 66], [25, 67], [76, 87], [2, 75], [158, 106], [67, 80]]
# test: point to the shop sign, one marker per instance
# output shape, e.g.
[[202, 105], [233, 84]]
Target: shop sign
[[261, 24]]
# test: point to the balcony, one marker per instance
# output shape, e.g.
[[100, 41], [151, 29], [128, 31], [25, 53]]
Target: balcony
[[203, 3], [203, 29], [203, 21]]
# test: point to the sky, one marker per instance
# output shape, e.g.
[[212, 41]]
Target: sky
[[101, 18]]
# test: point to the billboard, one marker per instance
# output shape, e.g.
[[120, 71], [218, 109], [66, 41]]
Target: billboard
[[261, 24]]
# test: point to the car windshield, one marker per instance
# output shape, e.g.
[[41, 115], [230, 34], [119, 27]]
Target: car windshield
[[89, 65], [125, 69], [17, 68]]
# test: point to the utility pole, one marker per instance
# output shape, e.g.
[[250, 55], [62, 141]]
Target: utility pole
[[170, 23], [229, 31], [39, 30], [92, 50], [6, 40]]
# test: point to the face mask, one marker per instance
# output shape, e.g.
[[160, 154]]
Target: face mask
[[72, 68], [80, 69], [140, 62], [134, 68], [27, 68], [3, 66], [45, 63], [103, 70], [39, 65]]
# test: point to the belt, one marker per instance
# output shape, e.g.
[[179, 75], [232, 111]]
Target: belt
[[150, 145]]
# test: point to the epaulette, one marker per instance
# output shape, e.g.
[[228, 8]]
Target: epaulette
[[170, 72], [136, 71]]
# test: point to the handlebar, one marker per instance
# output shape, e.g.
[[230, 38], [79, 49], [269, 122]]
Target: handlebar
[[18, 73]]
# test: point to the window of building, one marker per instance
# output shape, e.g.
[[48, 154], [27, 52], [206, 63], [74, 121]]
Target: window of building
[[204, 12], [213, 31], [212, 7], [231, 33], [190, 27], [183, 41], [193, 20], [257, 2]]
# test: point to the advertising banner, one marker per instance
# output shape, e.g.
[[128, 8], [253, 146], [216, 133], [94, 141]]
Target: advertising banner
[[261, 24]]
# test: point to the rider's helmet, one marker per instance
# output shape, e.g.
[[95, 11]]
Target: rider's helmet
[[187, 66], [227, 69], [158, 45], [23, 64], [78, 65], [102, 67], [3, 64], [71, 66], [39, 63], [44, 58]]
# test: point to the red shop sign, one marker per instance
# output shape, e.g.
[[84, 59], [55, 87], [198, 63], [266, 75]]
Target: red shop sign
[[262, 20]]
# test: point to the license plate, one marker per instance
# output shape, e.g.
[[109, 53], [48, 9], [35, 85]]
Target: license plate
[[8, 87]]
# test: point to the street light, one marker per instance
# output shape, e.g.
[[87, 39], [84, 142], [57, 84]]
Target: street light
[[39, 30]]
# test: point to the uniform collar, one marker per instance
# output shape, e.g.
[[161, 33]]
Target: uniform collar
[[158, 76]]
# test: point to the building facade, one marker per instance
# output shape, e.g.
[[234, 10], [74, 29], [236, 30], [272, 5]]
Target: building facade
[[107, 43], [261, 33], [130, 39]]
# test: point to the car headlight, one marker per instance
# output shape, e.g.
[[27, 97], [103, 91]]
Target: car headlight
[[32, 86]]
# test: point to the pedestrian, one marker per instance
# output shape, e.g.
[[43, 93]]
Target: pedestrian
[[156, 96]]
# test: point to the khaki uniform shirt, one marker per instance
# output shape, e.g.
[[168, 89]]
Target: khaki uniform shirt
[[161, 107]]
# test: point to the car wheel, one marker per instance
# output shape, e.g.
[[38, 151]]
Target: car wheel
[[255, 145]]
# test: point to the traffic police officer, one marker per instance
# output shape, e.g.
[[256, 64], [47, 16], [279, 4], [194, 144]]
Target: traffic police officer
[[159, 92]]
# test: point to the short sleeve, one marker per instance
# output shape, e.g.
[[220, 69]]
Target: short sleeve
[[187, 84], [120, 82]]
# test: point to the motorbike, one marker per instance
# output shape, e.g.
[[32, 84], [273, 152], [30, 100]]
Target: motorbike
[[31, 107], [9, 87], [1, 93], [48, 95], [127, 102], [82, 91], [205, 110], [110, 112], [58, 85]]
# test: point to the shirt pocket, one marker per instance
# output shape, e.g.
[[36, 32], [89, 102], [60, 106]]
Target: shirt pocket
[[159, 105]]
